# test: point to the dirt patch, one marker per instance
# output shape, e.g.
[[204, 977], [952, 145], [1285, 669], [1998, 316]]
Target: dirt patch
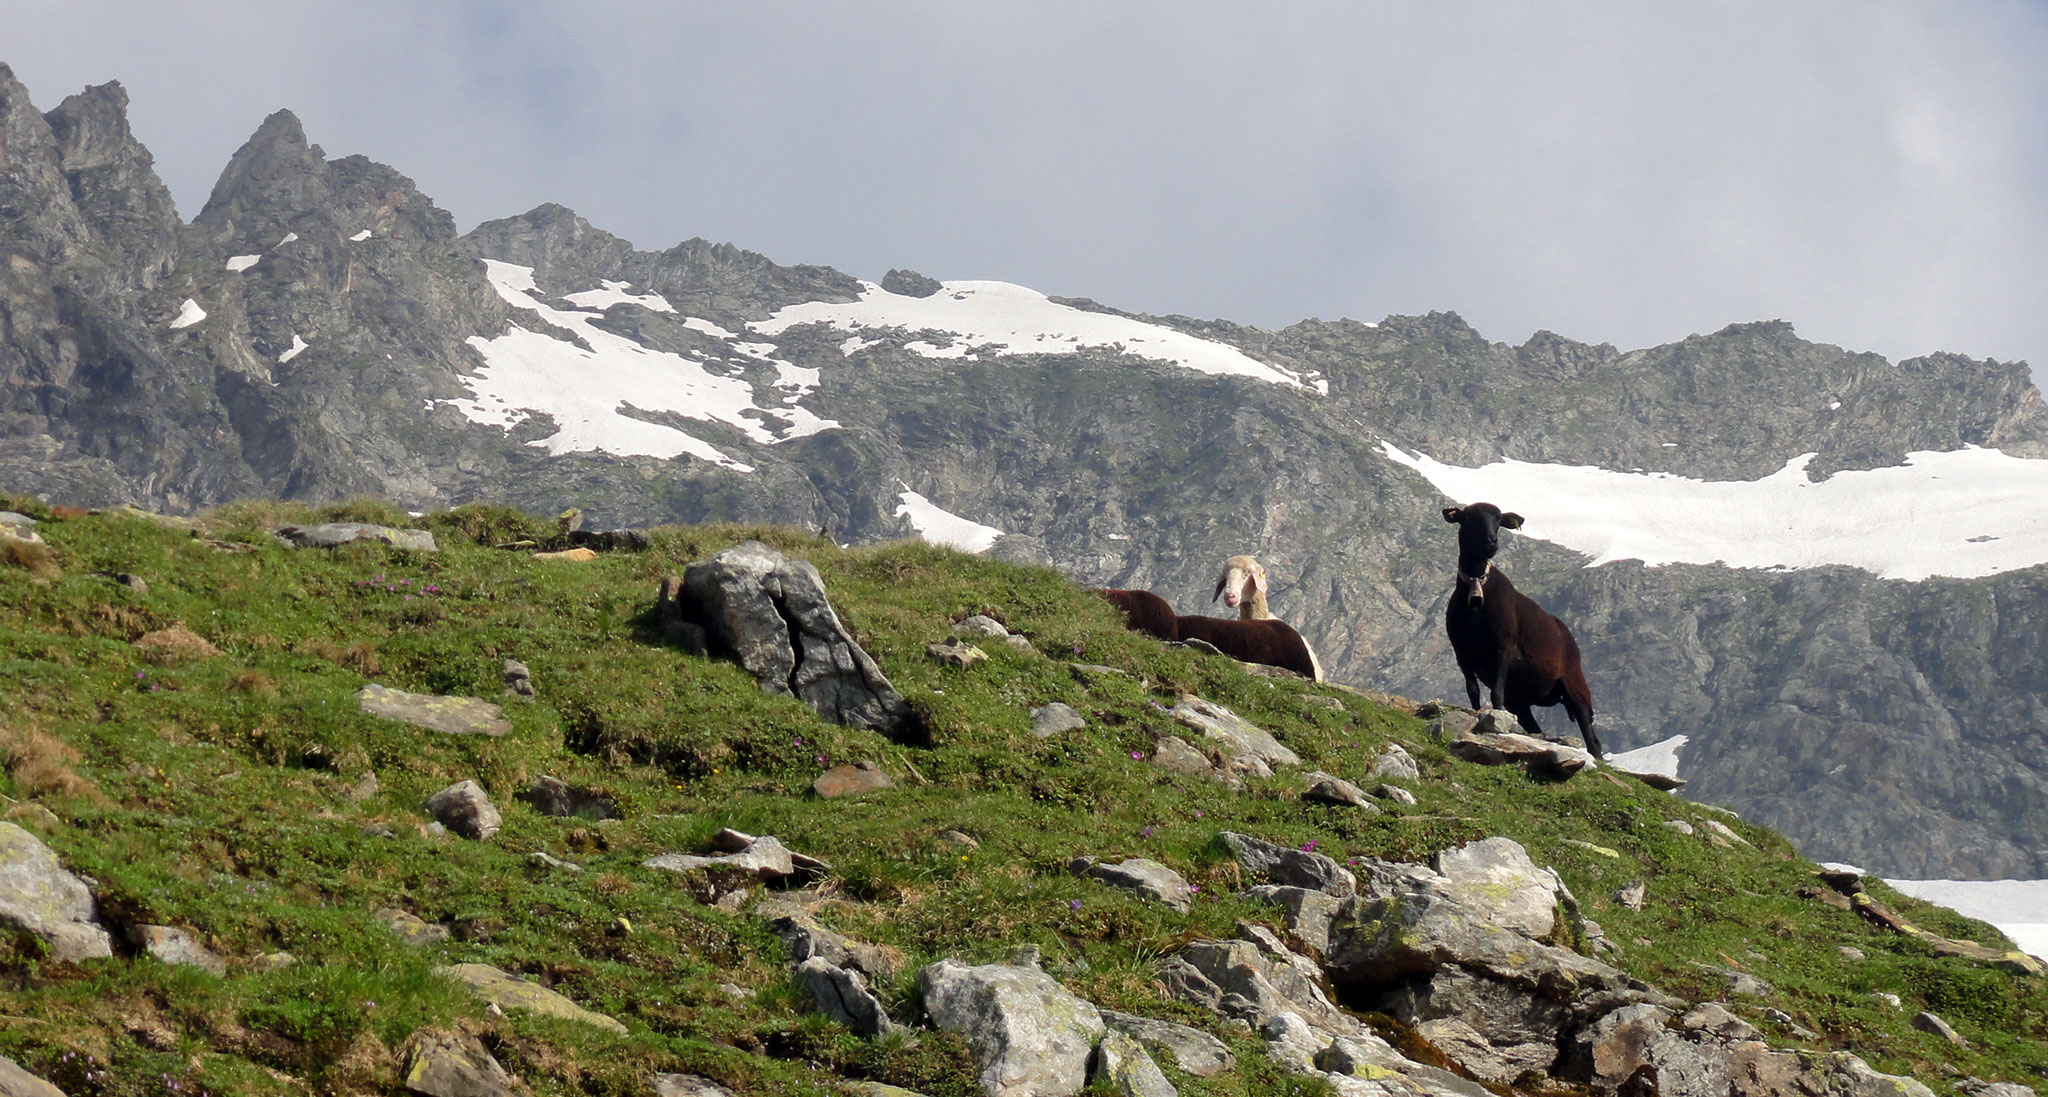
[[174, 645]]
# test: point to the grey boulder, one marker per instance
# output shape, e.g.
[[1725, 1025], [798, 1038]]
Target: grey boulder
[[1030, 1035], [38, 896]]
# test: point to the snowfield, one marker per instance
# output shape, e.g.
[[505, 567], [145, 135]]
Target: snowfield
[[995, 319], [587, 392], [2019, 908], [1964, 513], [942, 527]]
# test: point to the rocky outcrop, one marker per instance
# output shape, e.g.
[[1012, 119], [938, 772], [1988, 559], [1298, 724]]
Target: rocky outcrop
[[39, 897], [1030, 1035], [508, 991], [771, 615]]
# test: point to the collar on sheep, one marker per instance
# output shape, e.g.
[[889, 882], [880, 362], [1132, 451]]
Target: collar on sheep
[[1478, 581]]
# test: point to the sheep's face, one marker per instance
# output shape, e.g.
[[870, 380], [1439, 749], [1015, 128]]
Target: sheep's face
[[1242, 576], [1479, 527]]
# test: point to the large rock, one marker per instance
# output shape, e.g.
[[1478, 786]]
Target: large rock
[[1147, 878], [1122, 1065], [454, 715], [330, 534], [454, 1064], [1638, 1050], [1308, 912], [1253, 977], [1032, 1037], [464, 808], [843, 996], [764, 857], [37, 895], [508, 991], [1194, 1051], [1290, 867], [771, 614], [178, 947], [1496, 879], [16, 1082], [1239, 738]]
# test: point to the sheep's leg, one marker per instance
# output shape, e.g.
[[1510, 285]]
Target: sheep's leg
[[1526, 716], [1585, 721], [1500, 684], [1472, 687]]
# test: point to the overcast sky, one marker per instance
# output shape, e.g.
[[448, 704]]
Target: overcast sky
[[1875, 172]]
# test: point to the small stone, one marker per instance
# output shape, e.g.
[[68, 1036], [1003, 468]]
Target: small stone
[[274, 961], [685, 1085], [852, 780], [179, 948], [958, 838], [132, 582], [1020, 644], [553, 862], [463, 808], [1722, 830], [1054, 718], [843, 996], [365, 788], [1322, 701], [1784, 1020], [956, 653], [981, 625], [1395, 793], [1149, 879], [454, 1064], [1632, 895], [554, 797], [1889, 999], [1928, 1022], [518, 679], [1121, 1064], [1591, 848], [1330, 789], [410, 928], [1176, 754], [736, 992], [452, 715], [1850, 953], [508, 991], [1679, 825]]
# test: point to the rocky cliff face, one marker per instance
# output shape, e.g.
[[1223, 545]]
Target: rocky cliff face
[[353, 343]]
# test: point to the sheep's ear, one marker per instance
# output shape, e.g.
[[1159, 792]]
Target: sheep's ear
[[1452, 514], [1511, 520], [1221, 580]]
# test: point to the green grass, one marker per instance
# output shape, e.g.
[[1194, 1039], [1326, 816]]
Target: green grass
[[214, 793]]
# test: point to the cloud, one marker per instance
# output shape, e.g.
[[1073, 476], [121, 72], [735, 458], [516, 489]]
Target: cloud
[[1875, 171]]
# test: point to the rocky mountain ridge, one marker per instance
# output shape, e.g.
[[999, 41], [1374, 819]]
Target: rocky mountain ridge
[[344, 351]]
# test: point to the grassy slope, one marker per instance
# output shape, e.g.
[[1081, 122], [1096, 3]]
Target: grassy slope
[[213, 793]]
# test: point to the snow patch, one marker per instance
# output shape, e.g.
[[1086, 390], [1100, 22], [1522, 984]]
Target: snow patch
[[998, 318], [1924, 518], [239, 263], [298, 345], [588, 392], [942, 527], [1658, 758], [856, 344], [359, 237], [188, 315], [709, 328], [2019, 908], [615, 293]]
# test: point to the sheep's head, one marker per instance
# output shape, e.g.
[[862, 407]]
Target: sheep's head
[[1242, 578], [1479, 527]]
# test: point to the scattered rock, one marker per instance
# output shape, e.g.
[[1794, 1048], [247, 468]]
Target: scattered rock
[[409, 927], [1175, 754], [772, 615], [956, 653], [1611, 854], [843, 996], [1632, 895], [1680, 825], [330, 534], [1714, 1019], [1054, 718], [851, 780], [1739, 984], [982, 625], [1121, 1064], [1029, 1033], [274, 961], [1238, 737], [135, 583], [1396, 764], [1926, 1021], [765, 858], [1194, 1051], [807, 940], [452, 715], [1850, 953], [1253, 978], [365, 788], [38, 896], [544, 859], [1330, 789], [177, 947], [958, 838], [463, 808], [454, 1064], [1784, 1020], [508, 991], [1021, 645], [1308, 912], [1542, 759], [518, 679], [1149, 879], [1722, 830], [569, 556], [1292, 867], [1978, 1087], [728, 840], [554, 797], [1395, 793]]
